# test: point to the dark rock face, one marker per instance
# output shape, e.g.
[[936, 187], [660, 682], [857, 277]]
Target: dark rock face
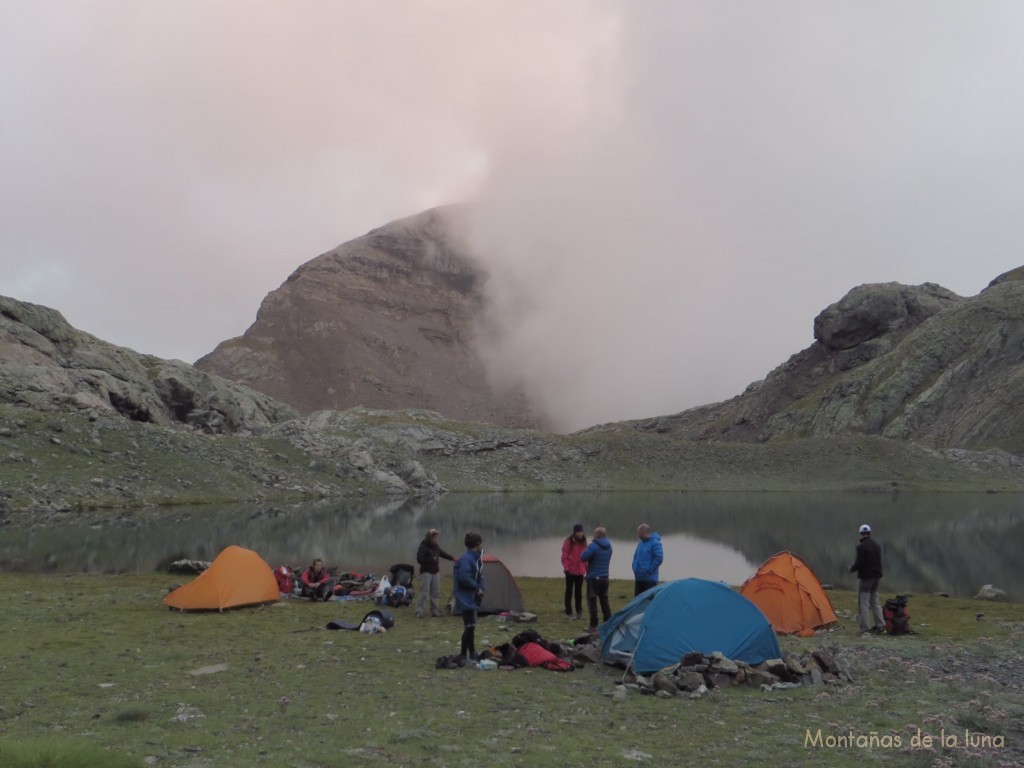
[[384, 321], [48, 365], [870, 311], [908, 362]]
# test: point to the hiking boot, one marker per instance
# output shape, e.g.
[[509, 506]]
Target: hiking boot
[[419, 615], [579, 617], [436, 614]]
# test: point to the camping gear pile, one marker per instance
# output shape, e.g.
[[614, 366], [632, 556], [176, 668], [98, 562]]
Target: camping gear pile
[[397, 590], [698, 673], [346, 584], [527, 649], [238, 577]]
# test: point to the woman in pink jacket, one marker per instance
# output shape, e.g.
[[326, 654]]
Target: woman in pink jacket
[[574, 569]]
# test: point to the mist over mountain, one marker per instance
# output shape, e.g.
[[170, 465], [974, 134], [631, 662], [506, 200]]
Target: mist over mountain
[[411, 315], [390, 320]]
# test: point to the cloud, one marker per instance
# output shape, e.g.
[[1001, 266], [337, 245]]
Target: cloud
[[666, 193], [734, 170]]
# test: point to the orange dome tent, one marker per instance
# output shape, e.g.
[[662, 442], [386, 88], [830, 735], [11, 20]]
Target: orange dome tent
[[789, 595], [236, 577]]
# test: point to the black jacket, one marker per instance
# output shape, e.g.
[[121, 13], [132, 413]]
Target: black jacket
[[428, 556], [868, 564]]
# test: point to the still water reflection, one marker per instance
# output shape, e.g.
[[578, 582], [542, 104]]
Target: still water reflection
[[932, 542]]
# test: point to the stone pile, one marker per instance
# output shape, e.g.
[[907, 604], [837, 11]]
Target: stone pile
[[698, 673]]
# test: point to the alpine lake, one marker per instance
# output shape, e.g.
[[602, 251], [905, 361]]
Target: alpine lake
[[931, 543]]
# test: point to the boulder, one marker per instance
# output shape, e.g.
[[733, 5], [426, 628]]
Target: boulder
[[870, 311], [664, 682], [990, 592]]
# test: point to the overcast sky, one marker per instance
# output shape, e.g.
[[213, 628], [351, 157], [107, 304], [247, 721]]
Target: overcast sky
[[667, 192]]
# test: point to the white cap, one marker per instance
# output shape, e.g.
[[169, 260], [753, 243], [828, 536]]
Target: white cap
[[865, 529]]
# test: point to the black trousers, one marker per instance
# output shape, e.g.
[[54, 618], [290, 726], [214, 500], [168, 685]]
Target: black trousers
[[643, 586], [573, 589], [468, 646], [597, 591]]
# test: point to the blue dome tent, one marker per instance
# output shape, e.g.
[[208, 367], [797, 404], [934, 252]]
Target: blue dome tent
[[660, 625]]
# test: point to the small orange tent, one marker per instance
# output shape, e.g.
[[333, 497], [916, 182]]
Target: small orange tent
[[236, 577], [789, 595]]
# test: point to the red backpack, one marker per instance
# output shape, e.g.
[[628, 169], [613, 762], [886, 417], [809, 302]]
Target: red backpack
[[283, 575], [897, 618]]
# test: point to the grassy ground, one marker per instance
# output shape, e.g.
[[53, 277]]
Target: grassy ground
[[96, 669]]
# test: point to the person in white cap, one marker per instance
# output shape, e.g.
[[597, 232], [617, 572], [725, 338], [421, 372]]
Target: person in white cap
[[868, 567]]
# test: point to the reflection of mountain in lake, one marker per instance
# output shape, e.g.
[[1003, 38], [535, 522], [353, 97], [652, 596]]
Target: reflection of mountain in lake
[[941, 542]]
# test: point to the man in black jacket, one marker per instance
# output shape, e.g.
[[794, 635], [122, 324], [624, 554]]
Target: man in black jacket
[[428, 556], [868, 567]]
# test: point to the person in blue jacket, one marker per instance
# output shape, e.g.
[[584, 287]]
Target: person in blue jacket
[[646, 559], [469, 591], [598, 557]]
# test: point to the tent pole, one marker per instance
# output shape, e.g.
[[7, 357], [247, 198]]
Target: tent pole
[[633, 654]]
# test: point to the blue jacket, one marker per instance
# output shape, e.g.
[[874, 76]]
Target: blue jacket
[[598, 556], [647, 558], [469, 578]]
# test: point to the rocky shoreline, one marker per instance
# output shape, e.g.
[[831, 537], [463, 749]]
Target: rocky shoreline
[[73, 461]]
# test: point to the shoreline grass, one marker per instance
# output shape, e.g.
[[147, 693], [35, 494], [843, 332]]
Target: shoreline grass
[[96, 664]]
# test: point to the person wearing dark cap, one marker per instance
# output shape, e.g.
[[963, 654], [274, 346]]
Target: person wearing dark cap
[[868, 567], [598, 557], [429, 555], [574, 569]]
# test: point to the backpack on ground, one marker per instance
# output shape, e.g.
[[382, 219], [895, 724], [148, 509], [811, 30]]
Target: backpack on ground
[[897, 618], [284, 577], [402, 574]]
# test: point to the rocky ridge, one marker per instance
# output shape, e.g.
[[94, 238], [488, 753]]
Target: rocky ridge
[[909, 363], [906, 388], [46, 364]]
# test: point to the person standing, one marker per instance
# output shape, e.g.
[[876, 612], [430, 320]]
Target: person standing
[[316, 582], [868, 567], [598, 557], [574, 569], [469, 591], [647, 559], [429, 555]]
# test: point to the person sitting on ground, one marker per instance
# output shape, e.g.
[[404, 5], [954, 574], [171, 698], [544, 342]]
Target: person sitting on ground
[[317, 583]]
